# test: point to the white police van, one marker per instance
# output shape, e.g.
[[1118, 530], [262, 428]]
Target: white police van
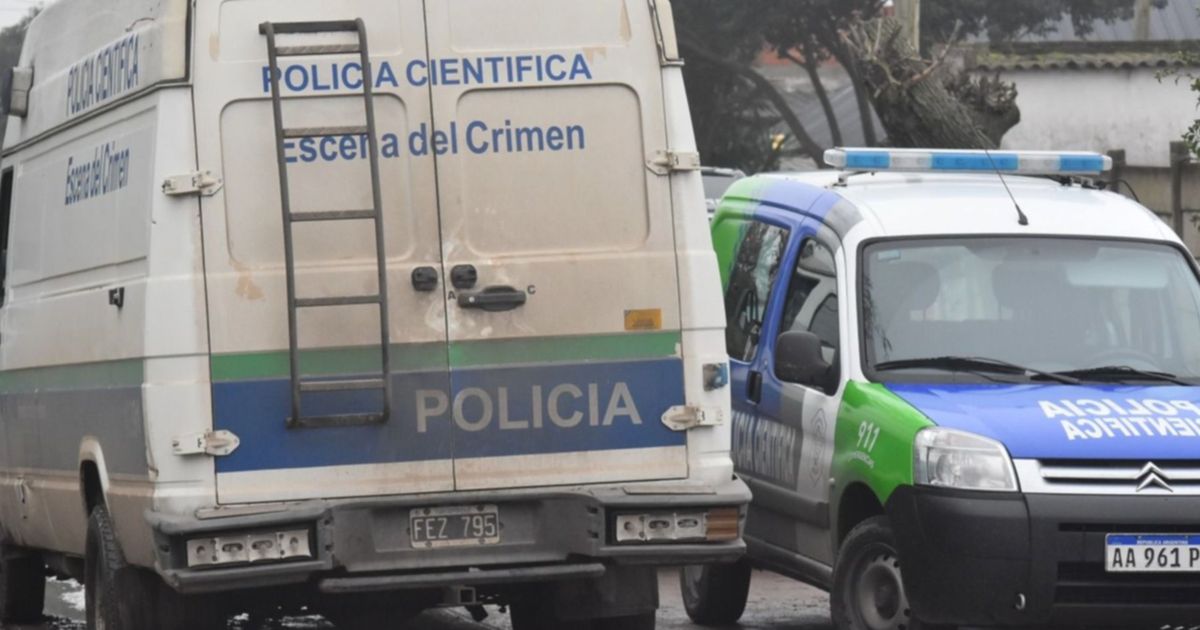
[[365, 306], [966, 392]]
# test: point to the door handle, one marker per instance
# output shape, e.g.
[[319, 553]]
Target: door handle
[[754, 386], [493, 299]]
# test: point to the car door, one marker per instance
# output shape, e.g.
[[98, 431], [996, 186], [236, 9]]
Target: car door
[[761, 448], [245, 262], [800, 418], [562, 298]]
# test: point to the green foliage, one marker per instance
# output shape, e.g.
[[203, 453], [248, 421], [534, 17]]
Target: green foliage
[[1188, 59]]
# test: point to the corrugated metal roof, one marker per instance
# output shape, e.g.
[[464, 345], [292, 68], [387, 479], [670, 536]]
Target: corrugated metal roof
[[1048, 60]]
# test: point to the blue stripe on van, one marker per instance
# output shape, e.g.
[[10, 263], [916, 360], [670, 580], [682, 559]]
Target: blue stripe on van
[[500, 412]]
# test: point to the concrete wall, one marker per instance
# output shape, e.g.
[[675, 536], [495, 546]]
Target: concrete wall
[[1098, 110]]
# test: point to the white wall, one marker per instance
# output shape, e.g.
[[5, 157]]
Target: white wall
[[1101, 110]]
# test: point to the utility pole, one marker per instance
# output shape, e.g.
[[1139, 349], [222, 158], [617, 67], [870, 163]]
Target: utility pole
[[909, 14], [1141, 20]]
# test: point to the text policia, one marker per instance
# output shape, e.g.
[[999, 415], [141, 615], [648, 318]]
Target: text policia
[[477, 137]]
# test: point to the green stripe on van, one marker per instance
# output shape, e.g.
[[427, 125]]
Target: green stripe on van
[[99, 375], [432, 356]]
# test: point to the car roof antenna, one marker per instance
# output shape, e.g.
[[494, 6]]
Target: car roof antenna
[[1021, 218]]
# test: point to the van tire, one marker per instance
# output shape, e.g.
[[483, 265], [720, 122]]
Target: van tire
[[104, 566], [868, 589], [715, 594], [22, 589]]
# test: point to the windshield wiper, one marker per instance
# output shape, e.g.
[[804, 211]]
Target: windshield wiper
[[974, 364], [1120, 373]]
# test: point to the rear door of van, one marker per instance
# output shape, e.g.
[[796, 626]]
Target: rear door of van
[[245, 264], [563, 308], [514, 136]]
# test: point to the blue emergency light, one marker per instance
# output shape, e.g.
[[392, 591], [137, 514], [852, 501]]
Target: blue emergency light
[[964, 161]]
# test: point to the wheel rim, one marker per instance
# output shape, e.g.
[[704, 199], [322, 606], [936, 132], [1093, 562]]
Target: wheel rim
[[878, 591]]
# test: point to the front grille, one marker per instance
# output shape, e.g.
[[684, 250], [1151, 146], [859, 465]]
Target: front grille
[[1089, 583], [1109, 477]]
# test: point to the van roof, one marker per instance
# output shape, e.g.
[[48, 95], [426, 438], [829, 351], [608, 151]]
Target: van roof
[[909, 204]]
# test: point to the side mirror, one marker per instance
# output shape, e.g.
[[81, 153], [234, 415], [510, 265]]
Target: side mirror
[[799, 359]]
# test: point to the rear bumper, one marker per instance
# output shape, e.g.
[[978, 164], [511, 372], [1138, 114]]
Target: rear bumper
[[364, 546], [1013, 560]]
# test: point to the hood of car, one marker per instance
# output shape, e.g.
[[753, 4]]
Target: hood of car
[[1068, 421]]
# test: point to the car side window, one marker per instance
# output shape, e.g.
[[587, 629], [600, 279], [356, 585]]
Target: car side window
[[812, 303], [755, 270]]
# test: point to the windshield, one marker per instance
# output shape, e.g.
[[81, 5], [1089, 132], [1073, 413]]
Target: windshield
[[1047, 304]]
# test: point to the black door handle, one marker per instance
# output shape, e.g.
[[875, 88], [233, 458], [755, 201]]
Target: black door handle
[[754, 386], [493, 299]]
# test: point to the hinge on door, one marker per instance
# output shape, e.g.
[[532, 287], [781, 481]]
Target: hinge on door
[[215, 443], [202, 183], [684, 417], [667, 162]]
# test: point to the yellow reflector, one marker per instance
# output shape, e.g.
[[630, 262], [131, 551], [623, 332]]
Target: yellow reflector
[[644, 319], [723, 524]]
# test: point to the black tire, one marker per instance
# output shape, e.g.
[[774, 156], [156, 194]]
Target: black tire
[[22, 589], [104, 565], [715, 594], [642, 621], [868, 588]]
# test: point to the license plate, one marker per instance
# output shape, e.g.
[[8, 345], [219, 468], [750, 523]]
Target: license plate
[[454, 526], [1152, 553]]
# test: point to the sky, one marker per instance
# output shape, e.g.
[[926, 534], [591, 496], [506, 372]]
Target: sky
[[13, 10]]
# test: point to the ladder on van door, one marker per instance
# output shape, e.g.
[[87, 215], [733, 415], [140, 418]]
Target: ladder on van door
[[300, 385]]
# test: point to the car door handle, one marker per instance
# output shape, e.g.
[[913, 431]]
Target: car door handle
[[493, 299], [754, 386]]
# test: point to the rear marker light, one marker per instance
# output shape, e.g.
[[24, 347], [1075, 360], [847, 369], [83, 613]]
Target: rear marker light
[[249, 548], [715, 525]]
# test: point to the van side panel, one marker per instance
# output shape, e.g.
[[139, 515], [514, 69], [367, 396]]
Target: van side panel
[[87, 56], [73, 363]]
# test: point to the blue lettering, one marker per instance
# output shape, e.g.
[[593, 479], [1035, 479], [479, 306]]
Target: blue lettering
[[296, 82], [524, 65], [352, 76], [328, 148], [288, 145], [391, 146], [386, 76], [308, 150], [316, 80], [413, 78], [472, 73], [478, 148], [580, 68], [449, 71], [349, 147], [554, 138]]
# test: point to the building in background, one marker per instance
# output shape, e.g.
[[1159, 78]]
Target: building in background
[[1102, 92]]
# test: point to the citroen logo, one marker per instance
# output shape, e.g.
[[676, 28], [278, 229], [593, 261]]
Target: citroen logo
[[1152, 475]]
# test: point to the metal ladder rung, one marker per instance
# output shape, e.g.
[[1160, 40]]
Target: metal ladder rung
[[321, 132], [317, 49], [328, 26], [348, 300], [340, 420], [342, 385], [335, 215]]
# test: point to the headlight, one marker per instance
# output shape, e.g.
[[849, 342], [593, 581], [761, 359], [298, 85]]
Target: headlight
[[955, 459]]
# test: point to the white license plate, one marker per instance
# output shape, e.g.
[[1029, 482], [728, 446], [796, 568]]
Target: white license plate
[[458, 526], [1152, 553]]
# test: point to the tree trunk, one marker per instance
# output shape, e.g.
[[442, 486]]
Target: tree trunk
[[921, 104], [809, 62], [850, 64]]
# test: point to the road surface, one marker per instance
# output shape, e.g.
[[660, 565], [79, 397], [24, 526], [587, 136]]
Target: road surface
[[776, 603]]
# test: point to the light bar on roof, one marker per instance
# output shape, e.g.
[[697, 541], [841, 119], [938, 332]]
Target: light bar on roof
[[964, 161]]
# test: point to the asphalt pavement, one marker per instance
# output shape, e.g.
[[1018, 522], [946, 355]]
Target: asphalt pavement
[[776, 603]]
